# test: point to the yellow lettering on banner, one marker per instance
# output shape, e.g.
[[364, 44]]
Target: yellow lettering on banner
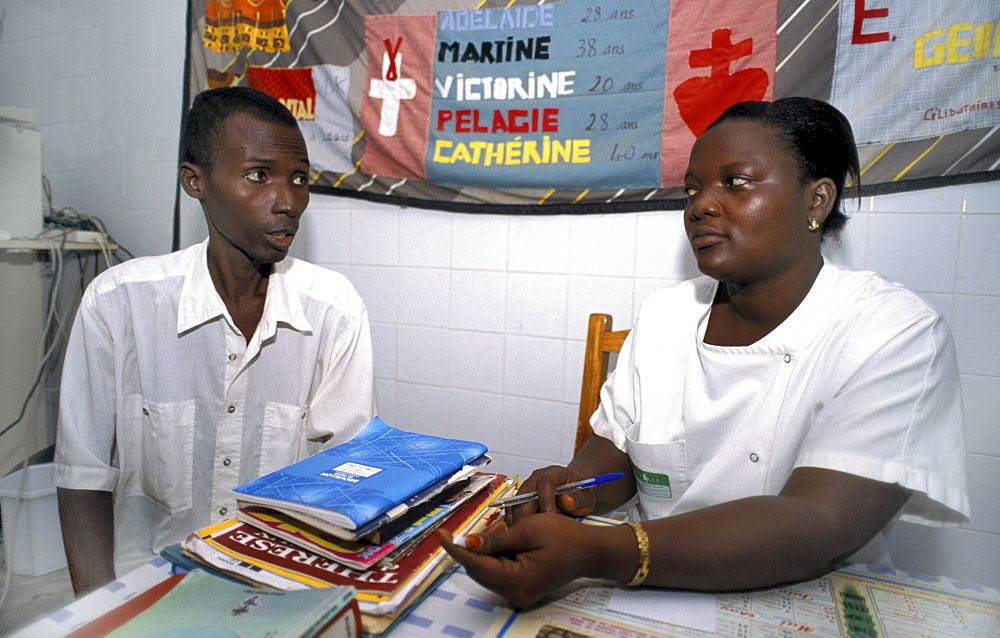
[[494, 154], [957, 44], [561, 151], [517, 152], [301, 109], [919, 60], [462, 154], [439, 146], [513, 151], [981, 46]]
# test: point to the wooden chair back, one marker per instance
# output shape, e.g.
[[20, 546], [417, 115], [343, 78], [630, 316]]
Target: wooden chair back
[[601, 342]]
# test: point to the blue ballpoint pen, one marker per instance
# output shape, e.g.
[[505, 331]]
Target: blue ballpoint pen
[[562, 489]]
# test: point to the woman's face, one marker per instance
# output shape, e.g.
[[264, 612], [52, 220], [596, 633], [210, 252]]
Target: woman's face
[[748, 214]]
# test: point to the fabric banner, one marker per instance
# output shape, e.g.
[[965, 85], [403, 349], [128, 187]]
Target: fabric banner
[[593, 105]]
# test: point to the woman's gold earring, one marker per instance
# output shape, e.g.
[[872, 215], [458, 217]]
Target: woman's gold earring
[[813, 225]]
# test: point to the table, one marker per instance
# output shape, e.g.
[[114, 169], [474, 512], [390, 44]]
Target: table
[[893, 602]]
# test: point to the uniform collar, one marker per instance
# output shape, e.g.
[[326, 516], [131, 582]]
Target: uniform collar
[[200, 302]]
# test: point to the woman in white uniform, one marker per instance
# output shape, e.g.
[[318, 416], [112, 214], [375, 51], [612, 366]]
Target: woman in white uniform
[[772, 416]]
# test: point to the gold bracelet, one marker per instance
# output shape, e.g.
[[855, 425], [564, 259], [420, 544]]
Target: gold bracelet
[[642, 571]]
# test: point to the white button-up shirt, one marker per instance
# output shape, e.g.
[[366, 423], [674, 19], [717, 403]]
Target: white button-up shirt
[[165, 404], [862, 378]]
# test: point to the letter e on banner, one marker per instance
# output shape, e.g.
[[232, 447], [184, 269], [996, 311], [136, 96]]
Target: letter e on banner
[[718, 53], [396, 105]]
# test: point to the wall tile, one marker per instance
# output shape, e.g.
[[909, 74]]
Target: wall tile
[[479, 241], [974, 325], [476, 361], [540, 422], [899, 243], [852, 247], [424, 238], [423, 355], [536, 304], [378, 286], [981, 399], [934, 200], [424, 296], [375, 236], [533, 367], [983, 501], [476, 416], [978, 255], [610, 295], [539, 243], [513, 465], [662, 249], [385, 346], [602, 244], [961, 554], [385, 399], [478, 300], [571, 413], [324, 234], [981, 198], [129, 33], [170, 34], [574, 370], [422, 408]]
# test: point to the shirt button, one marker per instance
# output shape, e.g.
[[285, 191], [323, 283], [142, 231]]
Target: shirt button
[[788, 358], [227, 461], [753, 457], [145, 411], [231, 409], [232, 357], [223, 511]]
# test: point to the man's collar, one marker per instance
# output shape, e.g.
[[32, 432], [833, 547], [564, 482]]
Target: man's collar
[[200, 302]]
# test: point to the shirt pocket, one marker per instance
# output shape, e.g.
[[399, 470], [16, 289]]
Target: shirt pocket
[[660, 471], [163, 440], [281, 436]]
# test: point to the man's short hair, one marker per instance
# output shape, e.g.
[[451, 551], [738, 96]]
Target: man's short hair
[[211, 108]]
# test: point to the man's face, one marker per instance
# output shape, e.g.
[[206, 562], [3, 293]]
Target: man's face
[[256, 190]]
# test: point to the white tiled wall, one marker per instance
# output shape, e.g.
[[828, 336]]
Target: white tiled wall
[[478, 320]]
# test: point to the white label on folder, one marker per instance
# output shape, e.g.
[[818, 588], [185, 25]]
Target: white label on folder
[[351, 472]]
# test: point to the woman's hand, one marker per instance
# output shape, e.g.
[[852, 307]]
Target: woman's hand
[[543, 553], [545, 481], [597, 456]]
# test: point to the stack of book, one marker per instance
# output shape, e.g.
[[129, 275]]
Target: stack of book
[[360, 514]]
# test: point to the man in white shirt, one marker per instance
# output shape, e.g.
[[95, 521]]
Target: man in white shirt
[[190, 373]]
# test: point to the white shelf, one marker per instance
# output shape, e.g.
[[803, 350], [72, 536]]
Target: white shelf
[[38, 244]]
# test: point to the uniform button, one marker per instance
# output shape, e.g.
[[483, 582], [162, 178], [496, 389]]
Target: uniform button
[[231, 409], [227, 461], [232, 357], [145, 411], [788, 358], [753, 457], [223, 511], [303, 415]]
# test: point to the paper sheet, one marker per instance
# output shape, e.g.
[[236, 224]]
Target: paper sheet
[[689, 609]]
